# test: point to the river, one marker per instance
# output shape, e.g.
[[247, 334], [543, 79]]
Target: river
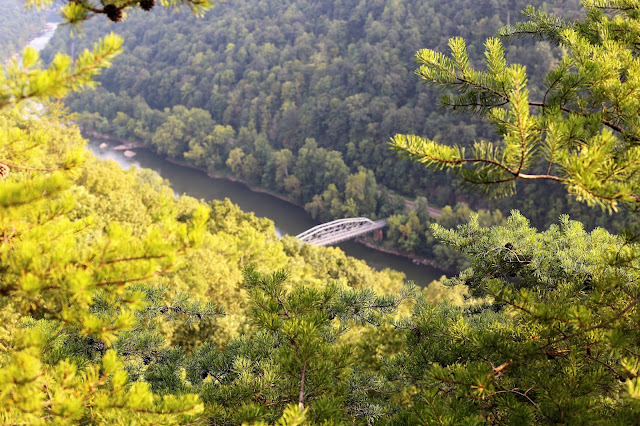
[[288, 218], [41, 40]]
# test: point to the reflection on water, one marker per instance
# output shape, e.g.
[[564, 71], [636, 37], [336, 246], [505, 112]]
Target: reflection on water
[[288, 218]]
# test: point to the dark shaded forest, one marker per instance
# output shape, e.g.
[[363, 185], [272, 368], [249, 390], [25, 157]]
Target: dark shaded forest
[[273, 92], [17, 27]]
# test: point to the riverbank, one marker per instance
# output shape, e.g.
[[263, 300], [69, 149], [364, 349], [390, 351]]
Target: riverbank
[[48, 26], [415, 259], [109, 138], [129, 144]]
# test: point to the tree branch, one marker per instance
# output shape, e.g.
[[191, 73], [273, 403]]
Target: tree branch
[[302, 378]]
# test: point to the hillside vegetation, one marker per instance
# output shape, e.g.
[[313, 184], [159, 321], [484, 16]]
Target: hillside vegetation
[[121, 303], [17, 26], [273, 92]]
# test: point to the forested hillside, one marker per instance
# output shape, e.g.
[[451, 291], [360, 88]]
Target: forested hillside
[[101, 229], [16, 27], [121, 303], [273, 92]]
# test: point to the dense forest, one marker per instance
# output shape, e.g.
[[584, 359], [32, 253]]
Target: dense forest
[[126, 225], [272, 92], [122, 303], [17, 26]]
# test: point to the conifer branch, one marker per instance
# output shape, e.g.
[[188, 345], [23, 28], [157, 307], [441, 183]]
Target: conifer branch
[[135, 258], [594, 327], [282, 401], [607, 123], [515, 391], [16, 166], [284, 308], [607, 366]]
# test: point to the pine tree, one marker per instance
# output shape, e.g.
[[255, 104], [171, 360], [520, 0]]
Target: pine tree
[[550, 334], [68, 291], [582, 133], [300, 354]]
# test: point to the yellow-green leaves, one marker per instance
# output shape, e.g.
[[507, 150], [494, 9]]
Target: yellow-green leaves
[[198, 7], [427, 151], [494, 55], [30, 57], [98, 393], [74, 13], [61, 264]]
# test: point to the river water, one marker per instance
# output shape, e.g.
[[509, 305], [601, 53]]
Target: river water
[[41, 40], [288, 218]]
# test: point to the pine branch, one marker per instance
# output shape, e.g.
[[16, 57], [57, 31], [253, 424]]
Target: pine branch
[[17, 166], [594, 327]]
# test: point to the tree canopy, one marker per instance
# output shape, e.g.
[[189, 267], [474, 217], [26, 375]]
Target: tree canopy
[[282, 73], [112, 286]]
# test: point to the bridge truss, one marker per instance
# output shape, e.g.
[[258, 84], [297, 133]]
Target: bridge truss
[[340, 230]]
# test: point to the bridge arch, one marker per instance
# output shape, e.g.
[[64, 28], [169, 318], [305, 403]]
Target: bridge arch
[[340, 230]]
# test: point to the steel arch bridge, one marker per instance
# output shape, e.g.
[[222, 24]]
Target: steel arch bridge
[[340, 230]]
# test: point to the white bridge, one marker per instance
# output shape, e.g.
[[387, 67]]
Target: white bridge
[[340, 230]]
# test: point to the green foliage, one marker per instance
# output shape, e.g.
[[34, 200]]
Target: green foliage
[[18, 28], [583, 131], [111, 285], [282, 73]]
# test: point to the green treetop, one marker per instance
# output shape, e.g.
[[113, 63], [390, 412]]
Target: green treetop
[[60, 269]]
